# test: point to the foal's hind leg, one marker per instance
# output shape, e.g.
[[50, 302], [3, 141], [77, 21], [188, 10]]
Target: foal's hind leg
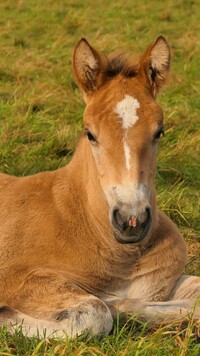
[[49, 304], [184, 301], [187, 287]]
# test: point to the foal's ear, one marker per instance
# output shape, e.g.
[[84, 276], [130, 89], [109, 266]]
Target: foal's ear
[[155, 64], [87, 66]]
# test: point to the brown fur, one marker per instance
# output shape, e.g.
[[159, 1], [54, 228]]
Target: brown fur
[[61, 268]]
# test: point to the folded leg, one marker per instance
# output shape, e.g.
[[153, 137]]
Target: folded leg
[[184, 302], [48, 304]]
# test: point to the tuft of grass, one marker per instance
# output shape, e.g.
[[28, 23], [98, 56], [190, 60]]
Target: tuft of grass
[[41, 118], [130, 338]]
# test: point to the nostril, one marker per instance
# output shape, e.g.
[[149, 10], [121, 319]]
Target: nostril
[[117, 220], [148, 211], [118, 217], [114, 215], [145, 217]]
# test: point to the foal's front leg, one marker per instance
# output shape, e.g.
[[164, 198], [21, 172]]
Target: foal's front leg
[[49, 304]]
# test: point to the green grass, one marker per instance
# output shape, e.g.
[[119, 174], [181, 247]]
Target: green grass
[[41, 118], [127, 339]]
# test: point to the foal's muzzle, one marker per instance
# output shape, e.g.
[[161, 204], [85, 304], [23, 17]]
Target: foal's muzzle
[[124, 233]]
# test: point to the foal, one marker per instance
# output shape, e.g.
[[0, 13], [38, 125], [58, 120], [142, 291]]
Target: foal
[[82, 243]]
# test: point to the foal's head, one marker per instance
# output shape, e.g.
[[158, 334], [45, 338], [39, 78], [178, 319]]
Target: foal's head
[[123, 124]]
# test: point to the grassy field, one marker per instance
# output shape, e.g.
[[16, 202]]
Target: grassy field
[[41, 118]]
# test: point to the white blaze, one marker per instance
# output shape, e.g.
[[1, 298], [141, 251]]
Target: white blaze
[[126, 109], [127, 155]]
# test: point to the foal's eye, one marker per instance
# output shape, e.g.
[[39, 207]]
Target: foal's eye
[[158, 134], [90, 136]]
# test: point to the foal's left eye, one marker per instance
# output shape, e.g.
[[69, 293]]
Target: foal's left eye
[[158, 134], [90, 136]]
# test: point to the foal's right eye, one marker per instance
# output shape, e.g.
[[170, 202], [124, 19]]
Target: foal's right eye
[[90, 136], [158, 134]]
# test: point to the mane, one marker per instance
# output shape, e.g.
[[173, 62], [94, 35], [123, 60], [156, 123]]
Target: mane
[[120, 64]]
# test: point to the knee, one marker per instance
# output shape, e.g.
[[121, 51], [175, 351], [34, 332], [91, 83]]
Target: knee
[[92, 317]]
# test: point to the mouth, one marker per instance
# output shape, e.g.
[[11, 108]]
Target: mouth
[[126, 234]]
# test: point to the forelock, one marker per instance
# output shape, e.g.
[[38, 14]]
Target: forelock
[[120, 64]]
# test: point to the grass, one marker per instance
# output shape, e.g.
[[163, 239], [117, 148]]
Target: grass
[[41, 119], [127, 339]]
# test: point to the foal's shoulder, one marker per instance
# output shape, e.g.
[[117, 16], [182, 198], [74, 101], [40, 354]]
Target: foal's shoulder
[[168, 234]]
